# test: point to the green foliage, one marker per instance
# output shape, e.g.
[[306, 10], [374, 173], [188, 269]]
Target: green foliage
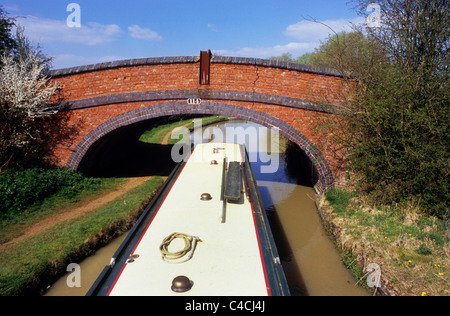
[[36, 261], [400, 140], [424, 250], [23, 187], [23, 47], [25, 98], [304, 59], [339, 199], [7, 42], [396, 131]]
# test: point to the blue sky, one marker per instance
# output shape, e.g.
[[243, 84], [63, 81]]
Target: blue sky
[[112, 30]]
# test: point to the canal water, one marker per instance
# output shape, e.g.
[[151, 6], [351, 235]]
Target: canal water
[[310, 261]]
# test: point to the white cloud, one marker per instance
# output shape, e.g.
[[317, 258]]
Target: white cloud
[[308, 34], [12, 7], [212, 28], [70, 60], [315, 32], [296, 49], [147, 34], [49, 31]]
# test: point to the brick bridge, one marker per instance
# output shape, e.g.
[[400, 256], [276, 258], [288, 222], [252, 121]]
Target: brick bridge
[[100, 99]]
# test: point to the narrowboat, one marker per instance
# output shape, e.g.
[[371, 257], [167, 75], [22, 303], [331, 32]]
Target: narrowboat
[[204, 234]]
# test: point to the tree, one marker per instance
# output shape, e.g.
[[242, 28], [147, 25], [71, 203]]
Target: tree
[[25, 95], [7, 42], [396, 133], [414, 33], [287, 57], [24, 48], [350, 53], [340, 52]]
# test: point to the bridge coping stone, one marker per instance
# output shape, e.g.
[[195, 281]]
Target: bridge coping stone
[[193, 59]]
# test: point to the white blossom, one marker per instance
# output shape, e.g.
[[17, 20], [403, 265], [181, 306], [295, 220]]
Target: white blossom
[[24, 87]]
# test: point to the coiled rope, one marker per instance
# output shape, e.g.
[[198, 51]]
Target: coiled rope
[[180, 256]]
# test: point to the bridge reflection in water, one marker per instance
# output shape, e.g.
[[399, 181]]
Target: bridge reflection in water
[[311, 263]]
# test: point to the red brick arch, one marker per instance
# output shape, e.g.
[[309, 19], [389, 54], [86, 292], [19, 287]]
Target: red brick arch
[[180, 108], [102, 98]]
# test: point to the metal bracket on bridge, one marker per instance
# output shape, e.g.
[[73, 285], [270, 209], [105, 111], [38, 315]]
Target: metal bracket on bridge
[[205, 67]]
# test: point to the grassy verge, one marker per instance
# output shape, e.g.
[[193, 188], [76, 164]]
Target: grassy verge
[[412, 249], [14, 224], [27, 265], [156, 135]]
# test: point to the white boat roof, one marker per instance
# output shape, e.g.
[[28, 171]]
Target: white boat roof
[[228, 261]]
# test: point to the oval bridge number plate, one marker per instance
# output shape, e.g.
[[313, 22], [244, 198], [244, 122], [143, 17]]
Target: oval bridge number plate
[[194, 101]]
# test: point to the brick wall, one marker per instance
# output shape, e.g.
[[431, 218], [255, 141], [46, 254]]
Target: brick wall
[[101, 98]]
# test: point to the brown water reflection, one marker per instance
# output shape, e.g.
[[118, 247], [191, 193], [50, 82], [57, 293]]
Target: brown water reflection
[[90, 270]]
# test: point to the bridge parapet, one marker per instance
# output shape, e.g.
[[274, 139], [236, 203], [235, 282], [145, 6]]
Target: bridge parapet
[[194, 59], [272, 93]]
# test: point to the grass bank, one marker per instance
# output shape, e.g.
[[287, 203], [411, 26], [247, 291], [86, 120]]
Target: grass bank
[[27, 266], [157, 134], [20, 218], [412, 249]]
